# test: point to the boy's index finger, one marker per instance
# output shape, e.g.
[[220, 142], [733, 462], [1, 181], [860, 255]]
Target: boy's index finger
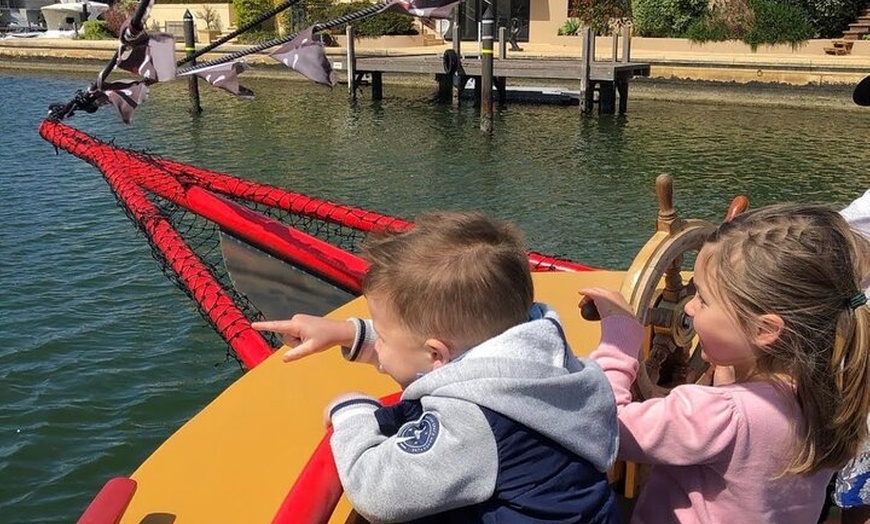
[[270, 325]]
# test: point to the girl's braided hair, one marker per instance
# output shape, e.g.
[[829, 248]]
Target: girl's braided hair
[[806, 265]]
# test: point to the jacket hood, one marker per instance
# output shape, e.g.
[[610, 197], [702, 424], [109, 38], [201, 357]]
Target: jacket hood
[[529, 374]]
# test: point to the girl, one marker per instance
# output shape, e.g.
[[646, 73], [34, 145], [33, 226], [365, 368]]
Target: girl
[[780, 299]]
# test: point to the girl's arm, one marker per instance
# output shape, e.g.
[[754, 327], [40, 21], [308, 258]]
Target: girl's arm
[[692, 425]]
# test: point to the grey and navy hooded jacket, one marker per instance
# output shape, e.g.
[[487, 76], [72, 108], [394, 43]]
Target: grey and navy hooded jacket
[[517, 430]]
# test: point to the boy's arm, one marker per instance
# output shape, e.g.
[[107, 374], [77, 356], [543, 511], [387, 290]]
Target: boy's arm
[[306, 335], [410, 460], [692, 425]]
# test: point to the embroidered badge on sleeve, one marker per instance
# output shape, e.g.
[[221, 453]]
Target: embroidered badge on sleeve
[[419, 435]]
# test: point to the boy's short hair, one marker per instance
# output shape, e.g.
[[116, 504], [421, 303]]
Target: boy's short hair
[[462, 277]]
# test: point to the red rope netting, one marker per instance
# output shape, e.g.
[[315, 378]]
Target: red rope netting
[[182, 208]]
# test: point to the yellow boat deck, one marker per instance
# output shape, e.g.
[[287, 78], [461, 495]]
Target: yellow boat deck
[[235, 461]]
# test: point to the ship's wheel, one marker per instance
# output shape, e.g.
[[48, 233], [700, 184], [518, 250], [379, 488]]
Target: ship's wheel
[[657, 290]]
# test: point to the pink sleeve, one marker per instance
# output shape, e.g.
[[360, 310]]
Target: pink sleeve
[[692, 425]]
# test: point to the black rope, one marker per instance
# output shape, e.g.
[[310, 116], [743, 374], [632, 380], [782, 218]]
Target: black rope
[[345, 19], [226, 38]]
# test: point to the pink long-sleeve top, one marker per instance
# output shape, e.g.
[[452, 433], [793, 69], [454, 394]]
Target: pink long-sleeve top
[[717, 453]]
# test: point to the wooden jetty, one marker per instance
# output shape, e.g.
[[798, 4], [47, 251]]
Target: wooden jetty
[[602, 82]]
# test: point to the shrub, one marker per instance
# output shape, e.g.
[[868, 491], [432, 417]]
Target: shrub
[[737, 16], [665, 18], [388, 23], [246, 12], [778, 23], [571, 27], [708, 29], [600, 15], [117, 14], [830, 17], [210, 17], [95, 30]]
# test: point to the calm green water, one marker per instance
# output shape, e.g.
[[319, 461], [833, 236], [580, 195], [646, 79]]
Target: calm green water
[[103, 358]]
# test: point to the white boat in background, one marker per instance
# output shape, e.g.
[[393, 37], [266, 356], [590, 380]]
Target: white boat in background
[[68, 15]]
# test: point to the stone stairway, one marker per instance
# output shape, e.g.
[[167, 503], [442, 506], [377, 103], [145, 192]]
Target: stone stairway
[[860, 27]]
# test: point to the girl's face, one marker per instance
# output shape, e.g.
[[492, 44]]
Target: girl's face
[[723, 341], [401, 354]]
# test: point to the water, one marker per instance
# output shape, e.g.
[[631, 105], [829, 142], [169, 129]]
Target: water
[[102, 358]]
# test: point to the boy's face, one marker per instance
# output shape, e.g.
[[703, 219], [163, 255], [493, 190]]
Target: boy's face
[[401, 354]]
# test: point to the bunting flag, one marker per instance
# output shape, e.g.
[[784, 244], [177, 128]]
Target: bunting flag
[[424, 8], [150, 56], [125, 95], [306, 56], [226, 77]]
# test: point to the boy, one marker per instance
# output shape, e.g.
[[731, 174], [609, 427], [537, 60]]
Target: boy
[[498, 421]]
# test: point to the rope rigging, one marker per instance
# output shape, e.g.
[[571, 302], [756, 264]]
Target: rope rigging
[[149, 56]]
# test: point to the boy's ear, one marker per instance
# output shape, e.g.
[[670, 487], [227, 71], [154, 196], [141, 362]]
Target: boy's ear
[[439, 352], [769, 330]]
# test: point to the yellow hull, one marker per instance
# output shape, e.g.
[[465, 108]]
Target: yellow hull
[[235, 461]]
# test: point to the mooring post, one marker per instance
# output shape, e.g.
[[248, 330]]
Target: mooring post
[[351, 63], [586, 89], [457, 25], [190, 48], [487, 34]]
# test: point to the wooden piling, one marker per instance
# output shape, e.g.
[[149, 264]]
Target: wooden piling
[[587, 52], [626, 43], [457, 25], [351, 63], [487, 34], [502, 43], [377, 85], [190, 49]]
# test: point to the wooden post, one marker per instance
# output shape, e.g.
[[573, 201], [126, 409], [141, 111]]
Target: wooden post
[[626, 44], [502, 43], [190, 48], [351, 63], [501, 89], [606, 98], [457, 25], [586, 92], [622, 88], [445, 87], [377, 85], [615, 51], [487, 34]]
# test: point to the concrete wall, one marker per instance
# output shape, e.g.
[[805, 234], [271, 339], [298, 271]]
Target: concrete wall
[[383, 42]]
